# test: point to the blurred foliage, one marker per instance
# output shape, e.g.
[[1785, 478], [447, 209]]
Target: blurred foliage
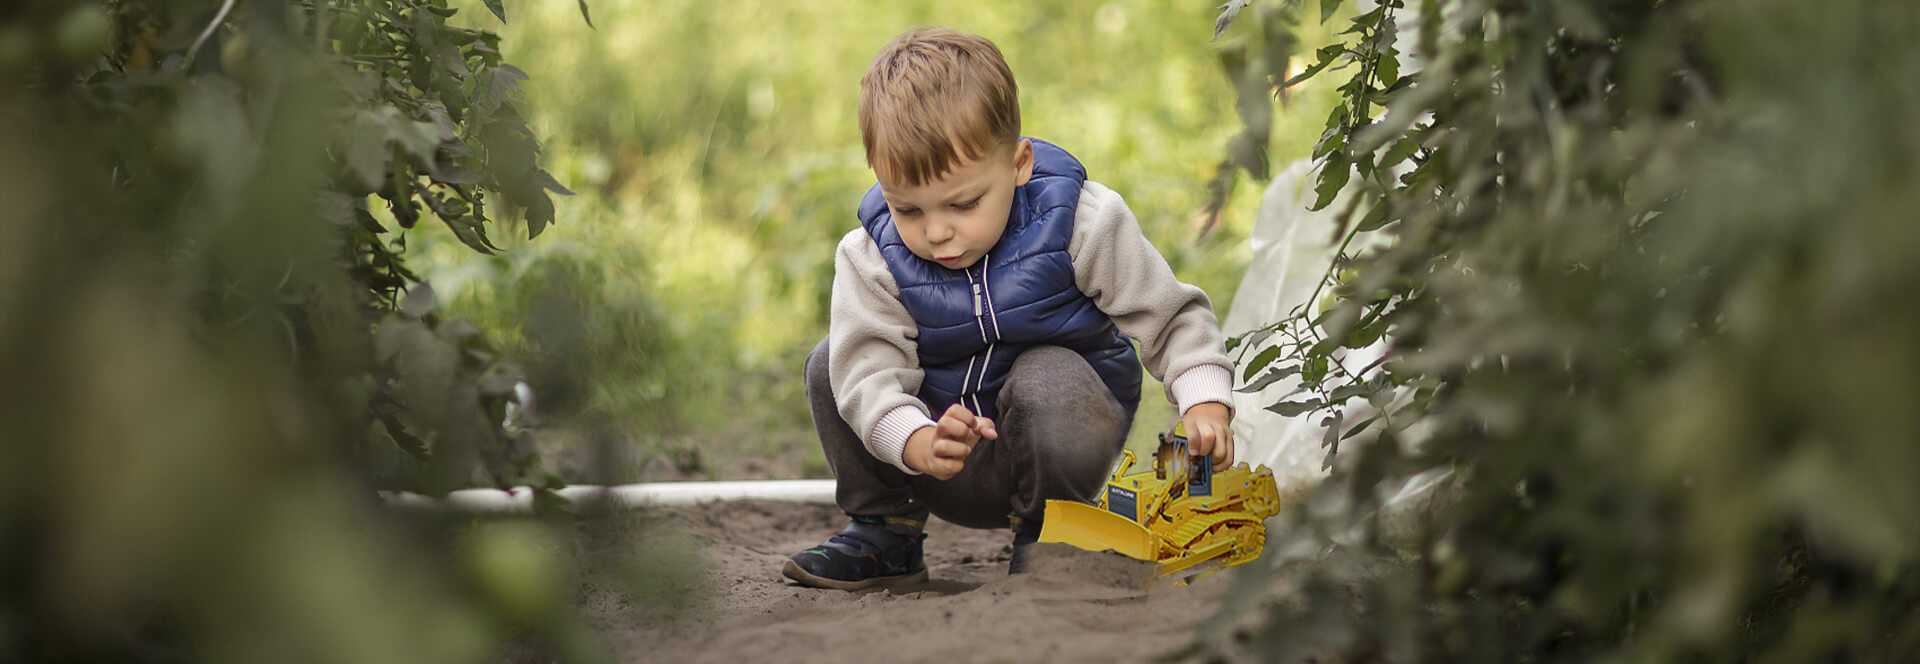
[[1645, 277], [213, 351], [718, 165]]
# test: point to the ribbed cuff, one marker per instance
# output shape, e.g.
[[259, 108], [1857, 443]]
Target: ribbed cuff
[[890, 434], [1202, 384]]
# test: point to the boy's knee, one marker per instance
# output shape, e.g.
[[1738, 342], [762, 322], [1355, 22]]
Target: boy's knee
[[1054, 380], [1062, 410], [816, 367]]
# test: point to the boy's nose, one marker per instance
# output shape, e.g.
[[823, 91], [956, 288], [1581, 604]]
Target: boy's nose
[[939, 232]]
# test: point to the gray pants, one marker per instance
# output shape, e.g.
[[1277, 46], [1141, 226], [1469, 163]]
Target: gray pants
[[1060, 430]]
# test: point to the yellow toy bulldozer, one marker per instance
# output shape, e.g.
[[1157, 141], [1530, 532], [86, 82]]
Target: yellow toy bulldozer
[[1181, 514]]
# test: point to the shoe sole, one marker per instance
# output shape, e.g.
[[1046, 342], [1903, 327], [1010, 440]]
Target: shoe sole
[[792, 571]]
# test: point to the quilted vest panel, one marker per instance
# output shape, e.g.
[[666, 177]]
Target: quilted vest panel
[[974, 322]]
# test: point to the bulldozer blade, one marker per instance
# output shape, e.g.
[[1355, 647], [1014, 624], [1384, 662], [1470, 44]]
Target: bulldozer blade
[[1095, 529]]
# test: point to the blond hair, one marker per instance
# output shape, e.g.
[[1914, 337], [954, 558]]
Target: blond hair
[[933, 97]]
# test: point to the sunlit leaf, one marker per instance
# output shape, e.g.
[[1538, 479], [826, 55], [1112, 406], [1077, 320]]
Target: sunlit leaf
[[1327, 9], [1332, 435], [1324, 58], [1228, 12]]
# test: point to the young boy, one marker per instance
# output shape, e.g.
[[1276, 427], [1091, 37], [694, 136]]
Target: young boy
[[988, 286]]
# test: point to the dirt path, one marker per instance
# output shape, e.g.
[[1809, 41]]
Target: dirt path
[[1076, 606]]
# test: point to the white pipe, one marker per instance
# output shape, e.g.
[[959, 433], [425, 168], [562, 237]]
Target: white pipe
[[520, 499]]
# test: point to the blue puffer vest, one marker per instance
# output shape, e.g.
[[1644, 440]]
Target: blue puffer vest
[[974, 322]]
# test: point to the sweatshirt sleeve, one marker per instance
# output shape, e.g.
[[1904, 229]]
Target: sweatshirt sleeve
[[1180, 340], [872, 359]]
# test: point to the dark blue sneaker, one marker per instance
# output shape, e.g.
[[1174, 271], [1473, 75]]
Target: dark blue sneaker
[[865, 554]]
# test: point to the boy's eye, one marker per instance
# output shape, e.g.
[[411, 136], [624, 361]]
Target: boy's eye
[[906, 212], [967, 205]]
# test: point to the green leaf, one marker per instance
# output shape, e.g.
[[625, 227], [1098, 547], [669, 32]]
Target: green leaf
[[366, 220], [498, 85], [1325, 57], [1376, 217], [1316, 368], [1295, 408], [1342, 393], [539, 214], [1362, 426], [1228, 12], [446, 172], [547, 182], [406, 212], [1400, 152], [1270, 378], [1362, 22], [1336, 121], [1261, 361], [1366, 335], [1334, 174], [1386, 67], [1327, 8], [470, 233], [498, 9], [397, 433], [420, 139], [369, 133], [1262, 335]]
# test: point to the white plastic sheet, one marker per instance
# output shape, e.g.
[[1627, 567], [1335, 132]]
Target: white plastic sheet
[[1291, 252], [1292, 249]]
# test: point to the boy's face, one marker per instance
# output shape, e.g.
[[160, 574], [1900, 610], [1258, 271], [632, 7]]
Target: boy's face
[[955, 218]]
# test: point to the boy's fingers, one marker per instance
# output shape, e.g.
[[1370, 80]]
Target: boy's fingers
[[1199, 440], [984, 427], [946, 450], [944, 469], [1214, 442], [959, 412], [953, 429]]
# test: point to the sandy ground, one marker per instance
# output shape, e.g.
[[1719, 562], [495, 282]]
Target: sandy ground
[[1076, 606]]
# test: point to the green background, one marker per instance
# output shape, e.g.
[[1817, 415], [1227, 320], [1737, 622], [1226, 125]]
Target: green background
[[717, 160]]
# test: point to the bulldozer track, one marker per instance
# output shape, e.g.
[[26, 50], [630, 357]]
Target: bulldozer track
[[1198, 525]]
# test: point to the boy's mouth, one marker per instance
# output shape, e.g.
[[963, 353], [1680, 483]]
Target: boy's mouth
[[949, 260]]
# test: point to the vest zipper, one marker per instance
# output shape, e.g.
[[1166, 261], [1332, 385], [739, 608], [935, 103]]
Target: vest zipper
[[980, 314]]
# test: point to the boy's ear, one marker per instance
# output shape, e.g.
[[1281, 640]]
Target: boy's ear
[[1022, 162]]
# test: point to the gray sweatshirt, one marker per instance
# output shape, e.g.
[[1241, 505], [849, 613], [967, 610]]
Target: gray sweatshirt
[[875, 369]]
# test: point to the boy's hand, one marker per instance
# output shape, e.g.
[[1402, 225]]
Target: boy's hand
[[1208, 433], [941, 450]]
